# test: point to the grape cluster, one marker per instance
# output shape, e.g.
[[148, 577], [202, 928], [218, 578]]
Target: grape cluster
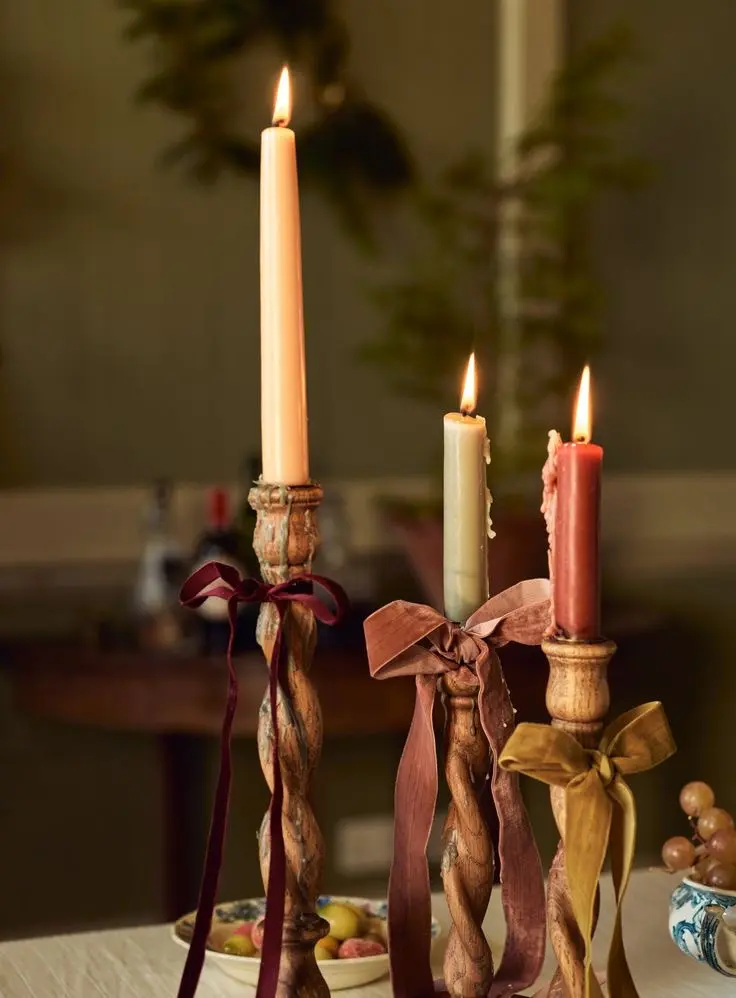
[[710, 855]]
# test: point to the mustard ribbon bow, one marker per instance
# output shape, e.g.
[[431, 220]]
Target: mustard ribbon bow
[[599, 812]]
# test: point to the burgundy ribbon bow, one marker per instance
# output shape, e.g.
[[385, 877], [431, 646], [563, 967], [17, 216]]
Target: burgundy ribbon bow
[[393, 633], [217, 580]]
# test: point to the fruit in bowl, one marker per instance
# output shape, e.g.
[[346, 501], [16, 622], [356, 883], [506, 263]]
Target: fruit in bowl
[[354, 933], [353, 953]]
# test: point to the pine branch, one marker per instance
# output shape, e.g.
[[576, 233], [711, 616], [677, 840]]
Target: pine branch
[[353, 153], [448, 298]]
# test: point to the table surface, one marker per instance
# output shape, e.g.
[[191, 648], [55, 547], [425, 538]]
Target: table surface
[[145, 963]]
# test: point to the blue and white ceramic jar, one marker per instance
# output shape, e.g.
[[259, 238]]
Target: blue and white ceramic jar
[[703, 925]]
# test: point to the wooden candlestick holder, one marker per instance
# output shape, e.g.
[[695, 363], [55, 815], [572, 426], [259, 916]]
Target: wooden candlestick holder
[[285, 540], [578, 700], [467, 853]]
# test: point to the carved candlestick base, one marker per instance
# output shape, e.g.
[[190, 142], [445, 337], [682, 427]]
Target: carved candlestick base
[[285, 540], [467, 854], [577, 700]]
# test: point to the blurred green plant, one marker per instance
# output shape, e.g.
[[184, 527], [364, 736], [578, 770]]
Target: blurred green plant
[[450, 299], [351, 149]]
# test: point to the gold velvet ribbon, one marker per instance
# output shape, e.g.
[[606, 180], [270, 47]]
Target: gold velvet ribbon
[[600, 813]]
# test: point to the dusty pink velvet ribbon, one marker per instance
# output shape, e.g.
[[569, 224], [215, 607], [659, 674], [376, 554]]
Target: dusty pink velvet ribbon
[[217, 580], [393, 635]]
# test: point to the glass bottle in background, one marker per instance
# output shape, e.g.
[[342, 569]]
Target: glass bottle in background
[[333, 560], [250, 473], [339, 560], [160, 572], [219, 541], [333, 531]]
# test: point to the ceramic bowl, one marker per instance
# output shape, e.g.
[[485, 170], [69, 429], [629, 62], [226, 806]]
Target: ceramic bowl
[[338, 974], [703, 924]]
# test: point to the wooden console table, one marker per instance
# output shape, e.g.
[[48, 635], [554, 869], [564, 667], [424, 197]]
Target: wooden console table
[[161, 694], [180, 701]]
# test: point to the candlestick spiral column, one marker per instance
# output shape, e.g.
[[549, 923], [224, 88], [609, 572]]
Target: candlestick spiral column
[[577, 701], [467, 854], [285, 540]]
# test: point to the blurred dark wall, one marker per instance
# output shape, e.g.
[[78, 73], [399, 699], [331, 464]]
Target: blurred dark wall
[[668, 253]]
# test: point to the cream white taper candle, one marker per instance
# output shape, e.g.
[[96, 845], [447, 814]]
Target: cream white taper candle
[[283, 376], [466, 506]]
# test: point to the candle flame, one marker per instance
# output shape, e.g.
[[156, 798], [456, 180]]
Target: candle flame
[[469, 397], [581, 427], [282, 104]]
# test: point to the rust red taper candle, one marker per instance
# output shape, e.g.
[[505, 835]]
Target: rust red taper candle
[[576, 561]]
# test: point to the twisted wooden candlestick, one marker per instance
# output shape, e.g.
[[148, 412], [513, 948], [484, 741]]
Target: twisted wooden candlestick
[[577, 700], [467, 854], [285, 540]]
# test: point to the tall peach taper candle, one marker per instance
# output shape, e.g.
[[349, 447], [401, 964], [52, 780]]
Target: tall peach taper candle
[[466, 506], [283, 377]]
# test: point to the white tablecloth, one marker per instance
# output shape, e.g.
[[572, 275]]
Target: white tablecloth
[[145, 963]]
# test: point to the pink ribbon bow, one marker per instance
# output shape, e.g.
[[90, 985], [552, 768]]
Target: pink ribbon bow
[[217, 580], [393, 633]]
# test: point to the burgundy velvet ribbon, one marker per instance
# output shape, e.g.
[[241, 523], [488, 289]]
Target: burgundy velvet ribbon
[[225, 582], [393, 635]]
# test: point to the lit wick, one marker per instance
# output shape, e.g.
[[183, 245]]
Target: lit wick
[[282, 104], [469, 399], [581, 423]]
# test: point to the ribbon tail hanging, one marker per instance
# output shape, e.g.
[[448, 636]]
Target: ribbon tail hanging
[[268, 975], [522, 877], [218, 828], [409, 896], [623, 846], [587, 828]]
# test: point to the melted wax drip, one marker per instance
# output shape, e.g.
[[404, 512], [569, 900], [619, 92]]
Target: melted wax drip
[[549, 511], [489, 498]]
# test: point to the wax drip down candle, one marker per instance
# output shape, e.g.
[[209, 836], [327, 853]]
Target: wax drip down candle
[[575, 545], [466, 506], [549, 512], [283, 375]]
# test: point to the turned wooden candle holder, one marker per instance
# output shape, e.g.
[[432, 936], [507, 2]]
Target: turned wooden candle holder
[[285, 541], [578, 700], [467, 853]]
